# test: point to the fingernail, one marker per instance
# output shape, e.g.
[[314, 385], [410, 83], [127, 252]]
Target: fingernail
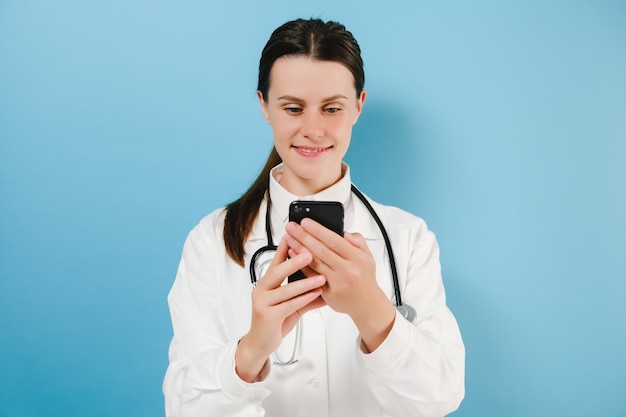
[[319, 279]]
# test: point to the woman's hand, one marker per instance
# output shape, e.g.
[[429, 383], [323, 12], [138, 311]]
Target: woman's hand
[[276, 309], [350, 272]]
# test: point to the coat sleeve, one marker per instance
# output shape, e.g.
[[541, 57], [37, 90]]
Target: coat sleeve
[[419, 370], [201, 378]]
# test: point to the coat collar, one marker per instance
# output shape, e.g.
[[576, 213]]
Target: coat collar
[[356, 217]]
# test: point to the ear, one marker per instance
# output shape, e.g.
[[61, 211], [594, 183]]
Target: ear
[[263, 104], [359, 105]]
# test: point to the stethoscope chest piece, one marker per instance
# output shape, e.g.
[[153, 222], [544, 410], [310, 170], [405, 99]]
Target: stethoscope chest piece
[[407, 312]]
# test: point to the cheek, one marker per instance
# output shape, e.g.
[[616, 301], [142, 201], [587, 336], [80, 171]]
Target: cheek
[[283, 128], [341, 127]]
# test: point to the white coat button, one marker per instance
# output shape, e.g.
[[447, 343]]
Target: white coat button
[[314, 383]]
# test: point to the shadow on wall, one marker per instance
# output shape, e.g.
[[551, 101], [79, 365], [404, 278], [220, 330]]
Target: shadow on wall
[[387, 156]]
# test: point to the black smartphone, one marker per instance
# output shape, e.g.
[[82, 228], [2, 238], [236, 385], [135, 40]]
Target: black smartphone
[[327, 213]]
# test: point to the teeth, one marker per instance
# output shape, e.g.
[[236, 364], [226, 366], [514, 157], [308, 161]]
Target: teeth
[[307, 150]]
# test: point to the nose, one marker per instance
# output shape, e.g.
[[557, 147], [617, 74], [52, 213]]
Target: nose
[[313, 126]]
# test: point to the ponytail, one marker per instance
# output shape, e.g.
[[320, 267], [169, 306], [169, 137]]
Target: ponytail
[[243, 212]]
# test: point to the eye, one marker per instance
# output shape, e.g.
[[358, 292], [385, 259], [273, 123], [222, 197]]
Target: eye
[[293, 110], [332, 110]]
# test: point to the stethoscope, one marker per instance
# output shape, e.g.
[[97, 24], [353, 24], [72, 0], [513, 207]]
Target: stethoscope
[[262, 258]]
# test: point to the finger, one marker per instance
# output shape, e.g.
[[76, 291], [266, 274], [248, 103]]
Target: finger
[[315, 304], [307, 270], [356, 239], [281, 253], [293, 305], [296, 248], [294, 289], [321, 242], [321, 233], [315, 267], [293, 318], [294, 244], [281, 267]]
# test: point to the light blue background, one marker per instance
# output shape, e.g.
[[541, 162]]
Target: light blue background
[[503, 124]]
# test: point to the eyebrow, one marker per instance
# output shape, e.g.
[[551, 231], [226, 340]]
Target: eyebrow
[[299, 100]]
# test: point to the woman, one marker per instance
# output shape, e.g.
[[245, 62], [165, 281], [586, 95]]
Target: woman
[[332, 344]]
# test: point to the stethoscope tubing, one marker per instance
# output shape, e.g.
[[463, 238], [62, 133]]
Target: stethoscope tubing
[[392, 260], [383, 231], [405, 310]]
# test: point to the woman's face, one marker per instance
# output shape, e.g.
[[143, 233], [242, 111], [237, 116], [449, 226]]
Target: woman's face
[[312, 106]]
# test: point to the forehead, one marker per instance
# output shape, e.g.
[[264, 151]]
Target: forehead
[[310, 79]]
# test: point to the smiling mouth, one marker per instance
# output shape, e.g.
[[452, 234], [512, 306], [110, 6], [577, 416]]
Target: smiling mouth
[[311, 151]]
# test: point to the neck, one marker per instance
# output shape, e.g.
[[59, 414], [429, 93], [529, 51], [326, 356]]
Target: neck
[[308, 186]]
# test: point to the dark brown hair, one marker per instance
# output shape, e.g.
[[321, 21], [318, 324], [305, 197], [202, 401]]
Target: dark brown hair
[[314, 38]]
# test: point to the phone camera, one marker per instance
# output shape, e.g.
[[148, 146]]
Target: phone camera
[[297, 209]]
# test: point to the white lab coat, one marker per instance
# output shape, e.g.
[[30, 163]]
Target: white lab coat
[[417, 371]]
